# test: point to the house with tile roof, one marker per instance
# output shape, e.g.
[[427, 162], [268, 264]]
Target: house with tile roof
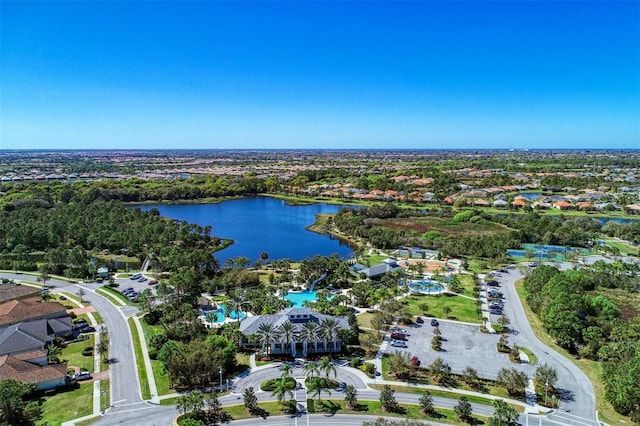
[[29, 309], [11, 291], [31, 367], [299, 319]]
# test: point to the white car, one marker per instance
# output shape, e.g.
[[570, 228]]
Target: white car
[[398, 344]]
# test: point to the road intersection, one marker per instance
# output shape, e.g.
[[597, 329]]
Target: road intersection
[[128, 407]]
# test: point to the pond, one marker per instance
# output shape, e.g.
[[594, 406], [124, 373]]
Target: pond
[[261, 224]]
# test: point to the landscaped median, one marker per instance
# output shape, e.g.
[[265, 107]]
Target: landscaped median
[[364, 408], [114, 296], [142, 370]]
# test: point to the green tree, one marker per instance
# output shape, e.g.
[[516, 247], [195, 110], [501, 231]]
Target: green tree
[[14, 410], [503, 412], [283, 389], [311, 368], [315, 387], [546, 376], [446, 311], [388, 399], [399, 363], [512, 380], [426, 404], [250, 400], [463, 409], [53, 354], [351, 397], [326, 366], [470, 377]]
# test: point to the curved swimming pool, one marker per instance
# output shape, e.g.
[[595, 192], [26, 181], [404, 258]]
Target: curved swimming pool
[[426, 286]]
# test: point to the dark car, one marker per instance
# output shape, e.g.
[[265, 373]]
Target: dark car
[[419, 320], [87, 329], [434, 322], [398, 336]]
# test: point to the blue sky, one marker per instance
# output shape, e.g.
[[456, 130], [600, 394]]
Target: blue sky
[[319, 75]]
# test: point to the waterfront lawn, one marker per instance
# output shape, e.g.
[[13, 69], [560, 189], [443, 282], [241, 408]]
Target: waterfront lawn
[[61, 406], [72, 353], [462, 308]]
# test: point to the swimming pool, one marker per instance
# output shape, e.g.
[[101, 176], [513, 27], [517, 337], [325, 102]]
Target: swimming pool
[[298, 298], [221, 314], [426, 286]]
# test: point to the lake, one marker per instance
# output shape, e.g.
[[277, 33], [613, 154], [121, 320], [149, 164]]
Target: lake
[[261, 224]]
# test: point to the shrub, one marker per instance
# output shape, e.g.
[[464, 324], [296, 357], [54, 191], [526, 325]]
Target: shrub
[[270, 385], [88, 351]]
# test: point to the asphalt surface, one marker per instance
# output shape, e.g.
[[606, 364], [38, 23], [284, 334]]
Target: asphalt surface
[[464, 346], [578, 403]]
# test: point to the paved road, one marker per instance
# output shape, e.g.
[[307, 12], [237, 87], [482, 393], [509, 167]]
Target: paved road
[[125, 388], [578, 397]]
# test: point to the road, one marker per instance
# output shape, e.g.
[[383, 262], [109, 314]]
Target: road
[[578, 396], [577, 408], [125, 389]]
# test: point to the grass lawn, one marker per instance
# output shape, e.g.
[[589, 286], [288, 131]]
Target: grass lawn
[[97, 317], [63, 406], [72, 354], [162, 380], [113, 294], [104, 400], [373, 408], [623, 247], [142, 371], [466, 282], [592, 369], [462, 308], [364, 320], [421, 376]]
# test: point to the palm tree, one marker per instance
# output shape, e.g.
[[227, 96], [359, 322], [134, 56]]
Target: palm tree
[[309, 333], [236, 302], [267, 334], [312, 368], [326, 366], [288, 332], [329, 330], [315, 387], [282, 390], [285, 370]]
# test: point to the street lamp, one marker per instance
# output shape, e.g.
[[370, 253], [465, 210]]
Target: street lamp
[[546, 385], [221, 378]]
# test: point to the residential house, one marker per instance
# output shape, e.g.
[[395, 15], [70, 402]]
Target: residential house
[[11, 291], [31, 367], [29, 309]]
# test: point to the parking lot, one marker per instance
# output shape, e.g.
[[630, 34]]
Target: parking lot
[[463, 346]]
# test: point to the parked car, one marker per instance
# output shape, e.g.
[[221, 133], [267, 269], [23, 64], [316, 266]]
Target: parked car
[[398, 344], [136, 276], [87, 329], [434, 322], [127, 290], [492, 283], [142, 279], [419, 320], [82, 375], [398, 336], [446, 366]]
